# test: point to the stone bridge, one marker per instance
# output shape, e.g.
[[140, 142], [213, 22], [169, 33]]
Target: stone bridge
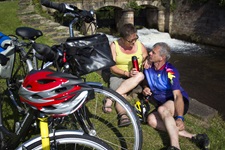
[[154, 16]]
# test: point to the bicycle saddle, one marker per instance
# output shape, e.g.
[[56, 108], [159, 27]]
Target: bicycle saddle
[[28, 33]]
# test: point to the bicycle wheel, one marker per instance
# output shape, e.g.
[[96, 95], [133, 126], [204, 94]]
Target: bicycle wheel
[[12, 110], [105, 126], [11, 106], [67, 140]]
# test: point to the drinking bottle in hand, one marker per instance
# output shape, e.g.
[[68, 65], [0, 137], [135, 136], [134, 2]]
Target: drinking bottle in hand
[[135, 62]]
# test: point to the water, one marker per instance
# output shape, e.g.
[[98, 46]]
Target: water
[[201, 67]]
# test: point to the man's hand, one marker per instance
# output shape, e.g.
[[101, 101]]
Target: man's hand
[[146, 63], [180, 124], [146, 91]]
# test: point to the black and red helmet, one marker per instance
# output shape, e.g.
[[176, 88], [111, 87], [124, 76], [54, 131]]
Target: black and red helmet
[[53, 92]]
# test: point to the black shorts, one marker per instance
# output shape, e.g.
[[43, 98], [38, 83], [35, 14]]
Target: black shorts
[[157, 103]]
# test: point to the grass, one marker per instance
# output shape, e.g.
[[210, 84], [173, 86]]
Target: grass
[[152, 139], [9, 20]]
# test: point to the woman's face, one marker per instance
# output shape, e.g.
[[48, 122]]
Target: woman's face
[[130, 40]]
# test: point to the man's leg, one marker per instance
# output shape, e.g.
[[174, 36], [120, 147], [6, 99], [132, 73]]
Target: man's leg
[[163, 120]]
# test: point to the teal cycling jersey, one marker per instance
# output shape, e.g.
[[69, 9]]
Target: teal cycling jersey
[[162, 82]]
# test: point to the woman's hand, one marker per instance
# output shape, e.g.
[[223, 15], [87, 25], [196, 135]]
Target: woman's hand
[[133, 72]]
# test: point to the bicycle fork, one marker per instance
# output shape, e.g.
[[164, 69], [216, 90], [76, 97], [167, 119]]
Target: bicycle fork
[[82, 116]]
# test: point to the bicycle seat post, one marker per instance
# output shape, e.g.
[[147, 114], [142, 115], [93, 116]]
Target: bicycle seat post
[[44, 132]]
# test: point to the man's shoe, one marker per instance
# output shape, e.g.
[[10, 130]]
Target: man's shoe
[[202, 141], [172, 148]]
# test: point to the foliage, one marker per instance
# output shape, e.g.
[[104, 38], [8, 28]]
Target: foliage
[[170, 4], [133, 5], [173, 5], [222, 2], [219, 2], [199, 1], [105, 12]]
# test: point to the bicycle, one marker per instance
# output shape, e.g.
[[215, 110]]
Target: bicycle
[[18, 130], [97, 123]]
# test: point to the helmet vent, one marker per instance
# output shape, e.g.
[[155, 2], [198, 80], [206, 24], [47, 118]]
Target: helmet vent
[[28, 86], [59, 90], [46, 81], [36, 96]]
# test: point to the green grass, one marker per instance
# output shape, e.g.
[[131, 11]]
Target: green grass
[[152, 139], [10, 21]]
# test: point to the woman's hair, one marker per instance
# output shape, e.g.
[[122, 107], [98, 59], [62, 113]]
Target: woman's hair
[[164, 49], [127, 29]]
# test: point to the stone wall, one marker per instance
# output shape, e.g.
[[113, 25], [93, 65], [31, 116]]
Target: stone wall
[[203, 23]]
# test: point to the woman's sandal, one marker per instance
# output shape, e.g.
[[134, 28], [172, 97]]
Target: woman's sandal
[[123, 121], [105, 108]]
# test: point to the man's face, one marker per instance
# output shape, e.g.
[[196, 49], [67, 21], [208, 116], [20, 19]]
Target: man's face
[[154, 55]]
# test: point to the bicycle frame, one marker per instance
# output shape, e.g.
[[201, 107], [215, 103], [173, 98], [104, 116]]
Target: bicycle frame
[[15, 138]]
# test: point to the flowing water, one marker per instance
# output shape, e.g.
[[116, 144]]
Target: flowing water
[[201, 67]]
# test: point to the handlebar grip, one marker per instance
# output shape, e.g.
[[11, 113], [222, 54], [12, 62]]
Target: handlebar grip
[[58, 6], [45, 51], [87, 15]]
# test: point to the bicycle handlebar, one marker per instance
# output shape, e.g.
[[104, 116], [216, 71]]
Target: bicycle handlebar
[[46, 52], [67, 8]]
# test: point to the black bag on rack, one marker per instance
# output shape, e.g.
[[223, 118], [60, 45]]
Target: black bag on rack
[[89, 54]]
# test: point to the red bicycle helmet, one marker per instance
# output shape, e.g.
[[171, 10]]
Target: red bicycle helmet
[[53, 92]]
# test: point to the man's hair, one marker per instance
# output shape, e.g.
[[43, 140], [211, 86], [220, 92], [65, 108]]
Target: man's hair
[[127, 29], [164, 49]]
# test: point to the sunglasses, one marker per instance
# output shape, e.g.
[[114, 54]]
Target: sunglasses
[[133, 40]]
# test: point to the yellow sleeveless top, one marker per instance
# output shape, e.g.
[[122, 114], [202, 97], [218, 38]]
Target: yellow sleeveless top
[[123, 61]]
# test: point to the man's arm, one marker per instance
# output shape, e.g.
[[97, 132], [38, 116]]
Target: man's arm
[[179, 108], [146, 90]]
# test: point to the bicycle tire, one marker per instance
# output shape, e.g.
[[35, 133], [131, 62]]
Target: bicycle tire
[[105, 125], [67, 140], [13, 84], [12, 110]]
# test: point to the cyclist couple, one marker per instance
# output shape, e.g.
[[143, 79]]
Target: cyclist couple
[[159, 80]]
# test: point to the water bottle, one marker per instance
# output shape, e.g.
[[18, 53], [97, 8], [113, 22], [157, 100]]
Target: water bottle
[[135, 62]]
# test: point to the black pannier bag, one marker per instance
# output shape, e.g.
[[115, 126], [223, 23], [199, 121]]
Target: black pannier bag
[[88, 54]]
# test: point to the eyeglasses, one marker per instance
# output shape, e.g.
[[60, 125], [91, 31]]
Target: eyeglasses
[[133, 40]]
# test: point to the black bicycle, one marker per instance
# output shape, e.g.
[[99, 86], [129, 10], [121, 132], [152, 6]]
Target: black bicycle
[[90, 117], [18, 120], [80, 56]]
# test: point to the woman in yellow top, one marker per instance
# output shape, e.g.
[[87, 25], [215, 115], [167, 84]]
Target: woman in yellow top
[[124, 77]]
